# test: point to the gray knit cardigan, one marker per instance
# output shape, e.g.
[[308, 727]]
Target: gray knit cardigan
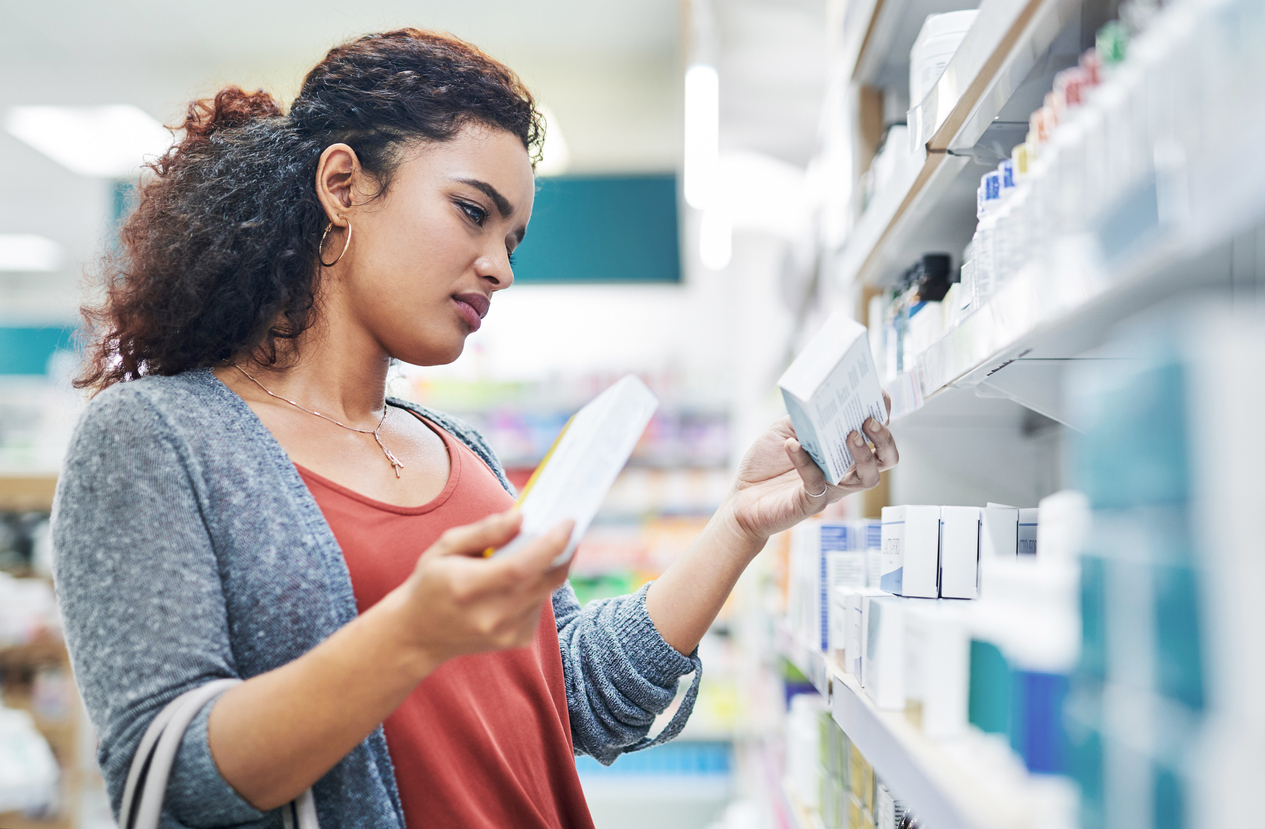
[[187, 549]]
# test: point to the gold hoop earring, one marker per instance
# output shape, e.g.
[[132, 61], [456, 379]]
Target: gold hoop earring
[[320, 250]]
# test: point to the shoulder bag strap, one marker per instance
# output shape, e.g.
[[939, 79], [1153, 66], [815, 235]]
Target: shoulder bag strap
[[151, 766]]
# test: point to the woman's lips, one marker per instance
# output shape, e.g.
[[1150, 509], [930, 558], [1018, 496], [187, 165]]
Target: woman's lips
[[473, 308]]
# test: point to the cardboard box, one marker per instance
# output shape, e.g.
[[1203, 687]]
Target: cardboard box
[[911, 551], [1028, 532], [937, 668], [830, 389], [999, 532], [883, 660], [959, 552]]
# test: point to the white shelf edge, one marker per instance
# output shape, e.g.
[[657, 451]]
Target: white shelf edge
[[1024, 28], [808, 661], [931, 783]]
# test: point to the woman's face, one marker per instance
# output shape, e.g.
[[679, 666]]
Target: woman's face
[[427, 256]]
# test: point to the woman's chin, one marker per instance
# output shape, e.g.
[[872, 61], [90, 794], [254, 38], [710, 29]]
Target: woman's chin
[[432, 355]]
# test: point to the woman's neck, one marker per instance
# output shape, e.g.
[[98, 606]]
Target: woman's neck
[[341, 376]]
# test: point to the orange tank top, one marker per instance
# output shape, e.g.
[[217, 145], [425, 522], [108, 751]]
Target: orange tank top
[[484, 741]]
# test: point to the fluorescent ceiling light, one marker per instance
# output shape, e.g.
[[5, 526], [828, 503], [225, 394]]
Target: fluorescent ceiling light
[[702, 134], [28, 253], [555, 156], [106, 141]]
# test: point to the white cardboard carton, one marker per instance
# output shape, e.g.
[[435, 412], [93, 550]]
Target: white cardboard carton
[[857, 607], [583, 463], [959, 552], [1028, 532], [937, 668], [830, 389], [999, 532], [911, 551], [883, 660]]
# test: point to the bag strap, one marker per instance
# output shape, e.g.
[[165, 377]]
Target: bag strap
[[147, 778]]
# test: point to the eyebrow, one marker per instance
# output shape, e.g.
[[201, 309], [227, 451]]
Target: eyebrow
[[503, 205]]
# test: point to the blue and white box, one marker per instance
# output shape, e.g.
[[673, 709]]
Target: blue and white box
[[911, 551]]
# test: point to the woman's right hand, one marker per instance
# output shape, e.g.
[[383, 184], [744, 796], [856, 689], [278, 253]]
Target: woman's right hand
[[458, 602]]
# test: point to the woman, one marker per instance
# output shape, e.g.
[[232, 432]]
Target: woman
[[241, 501]]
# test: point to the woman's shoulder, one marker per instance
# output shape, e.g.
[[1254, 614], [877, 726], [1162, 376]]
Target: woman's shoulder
[[188, 407]]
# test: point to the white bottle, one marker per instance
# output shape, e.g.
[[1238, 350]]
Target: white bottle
[[988, 200]]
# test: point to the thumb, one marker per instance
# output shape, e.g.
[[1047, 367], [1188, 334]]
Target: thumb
[[475, 539]]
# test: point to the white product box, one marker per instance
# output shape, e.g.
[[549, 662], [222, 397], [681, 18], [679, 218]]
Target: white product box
[[959, 552], [830, 389], [999, 532], [911, 551], [937, 667], [1063, 521], [857, 607], [839, 625], [883, 658], [1028, 532]]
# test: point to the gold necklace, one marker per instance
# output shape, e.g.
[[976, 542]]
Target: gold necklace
[[396, 466]]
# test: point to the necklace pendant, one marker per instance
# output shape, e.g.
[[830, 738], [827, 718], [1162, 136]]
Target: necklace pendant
[[396, 466]]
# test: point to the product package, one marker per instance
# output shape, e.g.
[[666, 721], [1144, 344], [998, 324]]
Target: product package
[[830, 389], [856, 603], [883, 660], [959, 552], [583, 463], [937, 667], [1028, 532], [999, 532], [911, 551]]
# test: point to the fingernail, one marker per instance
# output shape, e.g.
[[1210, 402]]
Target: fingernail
[[856, 439], [871, 425]]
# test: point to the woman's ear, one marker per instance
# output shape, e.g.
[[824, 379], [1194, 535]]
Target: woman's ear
[[336, 175]]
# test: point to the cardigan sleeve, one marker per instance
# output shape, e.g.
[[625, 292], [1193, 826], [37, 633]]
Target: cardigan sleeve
[[620, 674], [141, 599]]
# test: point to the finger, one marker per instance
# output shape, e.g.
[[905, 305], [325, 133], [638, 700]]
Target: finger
[[884, 443], [810, 473], [887, 398], [536, 559], [866, 464], [474, 539]]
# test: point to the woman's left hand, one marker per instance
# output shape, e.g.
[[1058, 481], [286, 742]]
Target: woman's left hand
[[779, 485]]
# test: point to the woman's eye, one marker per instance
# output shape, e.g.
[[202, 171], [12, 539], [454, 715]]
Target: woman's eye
[[475, 213]]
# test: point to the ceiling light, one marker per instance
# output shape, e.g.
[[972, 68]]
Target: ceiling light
[[106, 141], [555, 156], [702, 134], [28, 253]]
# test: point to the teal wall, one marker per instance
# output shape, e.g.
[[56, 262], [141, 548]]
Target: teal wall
[[26, 350], [602, 229]]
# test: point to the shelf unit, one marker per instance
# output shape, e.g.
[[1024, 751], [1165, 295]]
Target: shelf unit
[[26, 491], [1044, 320], [939, 781], [1004, 45]]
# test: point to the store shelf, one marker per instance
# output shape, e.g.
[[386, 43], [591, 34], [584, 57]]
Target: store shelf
[[1051, 315], [808, 661], [934, 784], [21, 492], [1006, 42]]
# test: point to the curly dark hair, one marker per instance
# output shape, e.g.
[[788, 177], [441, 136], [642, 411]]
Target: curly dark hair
[[219, 258]]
